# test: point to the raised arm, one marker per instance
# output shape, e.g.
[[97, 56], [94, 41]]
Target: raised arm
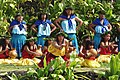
[[53, 27], [33, 27], [57, 22], [91, 27], [25, 26], [109, 27], [80, 22], [118, 29]]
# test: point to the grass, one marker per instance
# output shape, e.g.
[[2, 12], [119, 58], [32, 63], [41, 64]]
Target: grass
[[12, 67]]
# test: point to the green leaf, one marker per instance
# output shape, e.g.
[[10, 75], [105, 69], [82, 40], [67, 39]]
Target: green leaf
[[114, 77], [61, 77], [12, 5], [61, 6], [43, 78], [45, 63], [13, 77], [53, 75], [40, 72], [31, 71]]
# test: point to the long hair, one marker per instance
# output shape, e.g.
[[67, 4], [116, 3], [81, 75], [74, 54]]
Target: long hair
[[18, 14], [3, 44], [26, 44], [64, 11], [58, 40], [40, 16], [88, 43]]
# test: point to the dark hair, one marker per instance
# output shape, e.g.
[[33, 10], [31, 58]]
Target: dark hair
[[46, 43], [26, 44], [106, 33], [58, 40], [88, 43], [101, 12], [3, 44], [40, 16], [18, 14], [64, 11]]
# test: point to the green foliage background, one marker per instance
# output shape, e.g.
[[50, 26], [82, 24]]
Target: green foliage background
[[85, 9]]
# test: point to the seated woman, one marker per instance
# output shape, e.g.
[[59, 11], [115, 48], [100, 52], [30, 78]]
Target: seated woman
[[89, 54], [107, 47], [58, 47], [83, 44], [5, 47], [29, 49], [88, 51], [48, 41]]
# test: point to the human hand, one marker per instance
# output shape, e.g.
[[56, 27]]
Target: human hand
[[77, 29], [63, 45], [37, 54], [61, 30]]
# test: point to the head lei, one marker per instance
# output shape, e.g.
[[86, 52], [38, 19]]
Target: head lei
[[107, 32], [48, 38], [61, 33], [31, 39]]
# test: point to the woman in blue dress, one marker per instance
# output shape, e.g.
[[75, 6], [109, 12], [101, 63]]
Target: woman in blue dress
[[43, 27], [68, 24], [98, 27], [18, 29]]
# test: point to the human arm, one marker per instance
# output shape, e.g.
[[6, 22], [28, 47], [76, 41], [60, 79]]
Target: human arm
[[80, 22], [118, 28], [91, 27], [25, 26], [2, 51], [28, 50], [33, 27], [111, 44], [57, 22], [109, 27], [55, 44], [53, 27]]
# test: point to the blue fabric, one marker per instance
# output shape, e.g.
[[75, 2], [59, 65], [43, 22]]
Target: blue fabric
[[16, 30], [15, 22], [40, 40], [17, 42], [119, 44], [97, 22], [74, 42], [69, 20], [101, 29], [38, 22], [97, 40], [104, 29], [65, 26], [44, 31]]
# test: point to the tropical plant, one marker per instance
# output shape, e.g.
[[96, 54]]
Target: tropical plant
[[87, 10], [56, 69], [114, 72]]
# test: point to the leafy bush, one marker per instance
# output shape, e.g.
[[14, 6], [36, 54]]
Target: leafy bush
[[56, 69]]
